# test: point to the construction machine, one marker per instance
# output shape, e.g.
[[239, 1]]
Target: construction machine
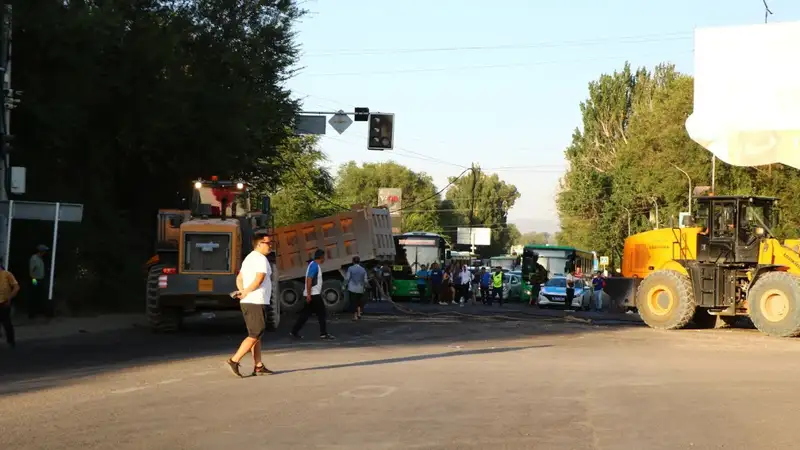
[[199, 252], [726, 264]]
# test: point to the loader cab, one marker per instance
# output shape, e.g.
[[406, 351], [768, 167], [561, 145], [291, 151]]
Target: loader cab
[[732, 227]]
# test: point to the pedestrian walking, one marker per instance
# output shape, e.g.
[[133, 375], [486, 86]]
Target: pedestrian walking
[[598, 283], [254, 284], [37, 294], [9, 288], [570, 296], [422, 282], [486, 281], [314, 303], [356, 281], [436, 277], [497, 286], [464, 281]]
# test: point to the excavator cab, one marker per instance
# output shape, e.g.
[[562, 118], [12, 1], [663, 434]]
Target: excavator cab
[[733, 227]]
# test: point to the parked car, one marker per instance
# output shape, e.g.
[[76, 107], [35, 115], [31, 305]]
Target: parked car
[[554, 292], [512, 285]]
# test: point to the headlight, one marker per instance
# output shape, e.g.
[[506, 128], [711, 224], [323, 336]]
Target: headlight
[[527, 292]]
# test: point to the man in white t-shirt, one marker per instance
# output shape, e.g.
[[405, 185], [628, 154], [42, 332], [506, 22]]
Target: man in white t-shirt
[[314, 303], [255, 291]]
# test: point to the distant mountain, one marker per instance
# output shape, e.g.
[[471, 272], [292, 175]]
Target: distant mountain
[[540, 225]]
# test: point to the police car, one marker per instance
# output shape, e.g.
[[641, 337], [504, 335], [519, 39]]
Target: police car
[[554, 293]]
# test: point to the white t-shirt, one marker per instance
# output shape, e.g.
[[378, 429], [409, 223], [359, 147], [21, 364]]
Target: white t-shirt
[[313, 271], [253, 264]]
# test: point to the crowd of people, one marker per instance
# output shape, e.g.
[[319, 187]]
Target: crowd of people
[[459, 284]]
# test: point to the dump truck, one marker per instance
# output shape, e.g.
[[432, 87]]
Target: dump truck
[[363, 231], [199, 252], [727, 264]]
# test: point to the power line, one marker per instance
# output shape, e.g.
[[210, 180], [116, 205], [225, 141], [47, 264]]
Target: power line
[[437, 193], [467, 68], [309, 187], [545, 44]]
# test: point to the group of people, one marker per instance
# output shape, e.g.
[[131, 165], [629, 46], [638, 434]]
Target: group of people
[[457, 284], [36, 293]]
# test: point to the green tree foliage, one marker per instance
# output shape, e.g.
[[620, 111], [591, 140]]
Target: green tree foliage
[[126, 102], [359, 185], [487, 199], [629, 154], [535, 237], [306, 188]]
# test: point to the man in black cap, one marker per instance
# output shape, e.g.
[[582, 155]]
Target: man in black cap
[[314, 303]]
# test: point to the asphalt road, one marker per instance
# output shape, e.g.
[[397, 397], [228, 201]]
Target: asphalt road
[[406, 383]]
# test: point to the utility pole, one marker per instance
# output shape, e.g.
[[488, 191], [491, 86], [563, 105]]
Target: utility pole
[[475, 170], [690, 187], [8, 100]]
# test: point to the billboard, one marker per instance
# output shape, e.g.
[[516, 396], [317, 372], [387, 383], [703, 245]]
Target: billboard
[[474, 236], [747, 93], [392, 198]]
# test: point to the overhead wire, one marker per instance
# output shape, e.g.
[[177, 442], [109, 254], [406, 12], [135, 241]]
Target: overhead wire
[[537, 45]]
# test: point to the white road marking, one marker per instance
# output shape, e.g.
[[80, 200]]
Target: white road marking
[[366, 392], [172, 380], [129, 390]]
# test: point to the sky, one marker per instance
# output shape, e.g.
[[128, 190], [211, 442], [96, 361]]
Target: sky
[[498, 85]]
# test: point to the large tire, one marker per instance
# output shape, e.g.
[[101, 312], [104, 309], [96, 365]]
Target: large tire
[[665, 300], [291, 296], [273, 310], [775, 304], [702, 319], [161, 319], [333, 296]]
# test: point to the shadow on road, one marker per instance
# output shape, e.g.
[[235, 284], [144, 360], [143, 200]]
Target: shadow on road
[[377, 362], [42, 364]]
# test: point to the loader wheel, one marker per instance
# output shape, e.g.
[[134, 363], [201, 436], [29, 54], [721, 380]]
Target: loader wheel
[[273, 310], [160, 318], [775, 304], [665, 300], [702, 319]]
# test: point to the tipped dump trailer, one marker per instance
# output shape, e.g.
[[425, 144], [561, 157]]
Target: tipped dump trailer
[[364, 232]]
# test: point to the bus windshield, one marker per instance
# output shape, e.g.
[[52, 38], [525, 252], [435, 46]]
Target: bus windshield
[[414, 252]]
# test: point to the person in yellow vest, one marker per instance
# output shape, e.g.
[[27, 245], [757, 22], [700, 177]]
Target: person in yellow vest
[[497, 286]]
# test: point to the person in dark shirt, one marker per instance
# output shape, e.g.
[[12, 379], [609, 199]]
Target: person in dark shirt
[[570, 295], [436, 276], [486, 281]]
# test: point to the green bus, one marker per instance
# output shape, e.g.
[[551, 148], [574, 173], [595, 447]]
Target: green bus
[[414, 249], [505, 262], [554, 258]]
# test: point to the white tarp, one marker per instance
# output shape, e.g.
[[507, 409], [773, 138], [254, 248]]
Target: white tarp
[[747, 93]]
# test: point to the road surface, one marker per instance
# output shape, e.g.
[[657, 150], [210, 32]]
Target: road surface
[[395, 382]]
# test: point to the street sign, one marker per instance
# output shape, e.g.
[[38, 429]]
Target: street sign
[[362, 114], [340, 121], [604, 260], [473, 236], [307, 124]]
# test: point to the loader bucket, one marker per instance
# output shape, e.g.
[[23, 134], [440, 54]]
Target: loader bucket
[[622, 293]]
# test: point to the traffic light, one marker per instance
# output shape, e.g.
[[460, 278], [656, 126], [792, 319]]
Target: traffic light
[[381, 132]]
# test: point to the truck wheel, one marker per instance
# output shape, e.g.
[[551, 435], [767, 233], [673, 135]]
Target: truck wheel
[[333, 296], [291, 296], [775, 304], [665, 300], [702, 319], [161, 319]]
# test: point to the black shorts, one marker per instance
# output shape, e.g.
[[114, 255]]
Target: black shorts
[[356, 298], [255, 319]]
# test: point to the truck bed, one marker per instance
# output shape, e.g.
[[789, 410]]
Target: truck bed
[[362, 231]]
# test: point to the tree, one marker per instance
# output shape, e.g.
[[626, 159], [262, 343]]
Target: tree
[[536, 238], [629, 157], [485, 199], [127, 102], [420, 201], [306, 188]]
